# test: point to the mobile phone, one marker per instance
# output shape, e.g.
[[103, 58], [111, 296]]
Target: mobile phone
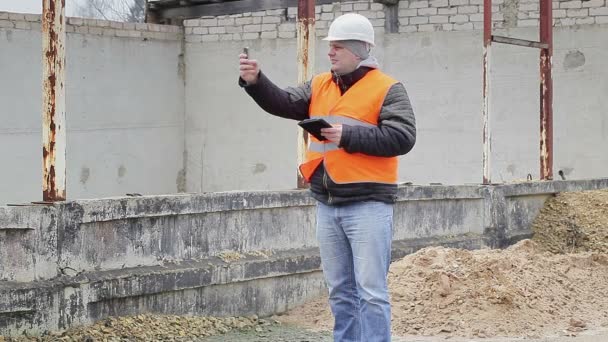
[[313, 126], [246, 52]]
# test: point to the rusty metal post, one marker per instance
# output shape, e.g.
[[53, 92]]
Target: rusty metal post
[[546, 91], [487, 43], [53, 100], [306, 52]]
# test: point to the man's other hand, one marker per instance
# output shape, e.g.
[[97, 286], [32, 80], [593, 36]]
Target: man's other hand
[[333, 134], [249, 69]]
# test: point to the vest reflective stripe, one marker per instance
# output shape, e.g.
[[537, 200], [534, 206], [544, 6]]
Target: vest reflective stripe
[[359, 106], [316, 146], [332, 119]]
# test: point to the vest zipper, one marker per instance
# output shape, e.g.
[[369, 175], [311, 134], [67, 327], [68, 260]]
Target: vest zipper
[[325, 184]]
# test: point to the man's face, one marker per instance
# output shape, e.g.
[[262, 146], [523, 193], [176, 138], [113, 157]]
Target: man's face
[[342, 59]]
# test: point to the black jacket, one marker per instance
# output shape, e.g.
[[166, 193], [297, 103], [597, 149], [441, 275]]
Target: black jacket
[[395, 134]]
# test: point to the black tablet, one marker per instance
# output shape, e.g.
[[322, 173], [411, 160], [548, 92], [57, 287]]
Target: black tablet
[[313, 126]]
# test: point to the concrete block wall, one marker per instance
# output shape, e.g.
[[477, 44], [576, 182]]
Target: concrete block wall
[[574, 12], [276, 23], [413, 16], [459, 15], [445, 15], [20, 21]]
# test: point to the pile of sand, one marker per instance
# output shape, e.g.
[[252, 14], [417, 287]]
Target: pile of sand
[[573, 222], [521, 291], [516, 292]]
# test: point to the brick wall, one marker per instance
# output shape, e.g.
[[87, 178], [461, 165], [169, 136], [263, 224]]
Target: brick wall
[[413, 16], [277, 23], [21, 21]]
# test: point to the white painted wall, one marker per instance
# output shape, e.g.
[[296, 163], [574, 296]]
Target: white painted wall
[[125, 115], [232, 144], [580, 105]]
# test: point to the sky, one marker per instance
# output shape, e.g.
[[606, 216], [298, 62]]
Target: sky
[[31, 6]]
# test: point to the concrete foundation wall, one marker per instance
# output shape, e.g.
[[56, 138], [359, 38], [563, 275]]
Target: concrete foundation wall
[[124, 109], [231, 253]]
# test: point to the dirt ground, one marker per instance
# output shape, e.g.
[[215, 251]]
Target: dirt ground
[[486, 293], [551, 288], [523, 291]]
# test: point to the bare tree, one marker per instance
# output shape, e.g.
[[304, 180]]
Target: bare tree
[[119, 10]]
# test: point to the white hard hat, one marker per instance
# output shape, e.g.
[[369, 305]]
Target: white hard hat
[[351, 26]]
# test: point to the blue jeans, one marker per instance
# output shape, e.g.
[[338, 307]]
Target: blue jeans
[[355, 243]]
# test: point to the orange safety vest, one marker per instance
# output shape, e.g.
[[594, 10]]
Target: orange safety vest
[[359, 106]]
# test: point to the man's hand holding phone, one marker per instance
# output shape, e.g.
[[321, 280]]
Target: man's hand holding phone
[[249, 68], [333, 134], [322, 130]]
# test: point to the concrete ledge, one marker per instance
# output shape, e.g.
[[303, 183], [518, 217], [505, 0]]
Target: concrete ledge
[[28, 217], [157, 206], [552, 187], [34, 307], [52, 308], [294, 276], [441, 192], [149, 280]]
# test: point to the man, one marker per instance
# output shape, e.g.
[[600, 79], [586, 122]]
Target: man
[[353, 174]]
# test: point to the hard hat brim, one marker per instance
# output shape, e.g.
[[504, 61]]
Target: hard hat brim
[[330, 38]]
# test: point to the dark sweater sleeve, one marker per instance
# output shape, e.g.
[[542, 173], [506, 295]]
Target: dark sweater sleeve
[[396, 131], [289, 103]]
